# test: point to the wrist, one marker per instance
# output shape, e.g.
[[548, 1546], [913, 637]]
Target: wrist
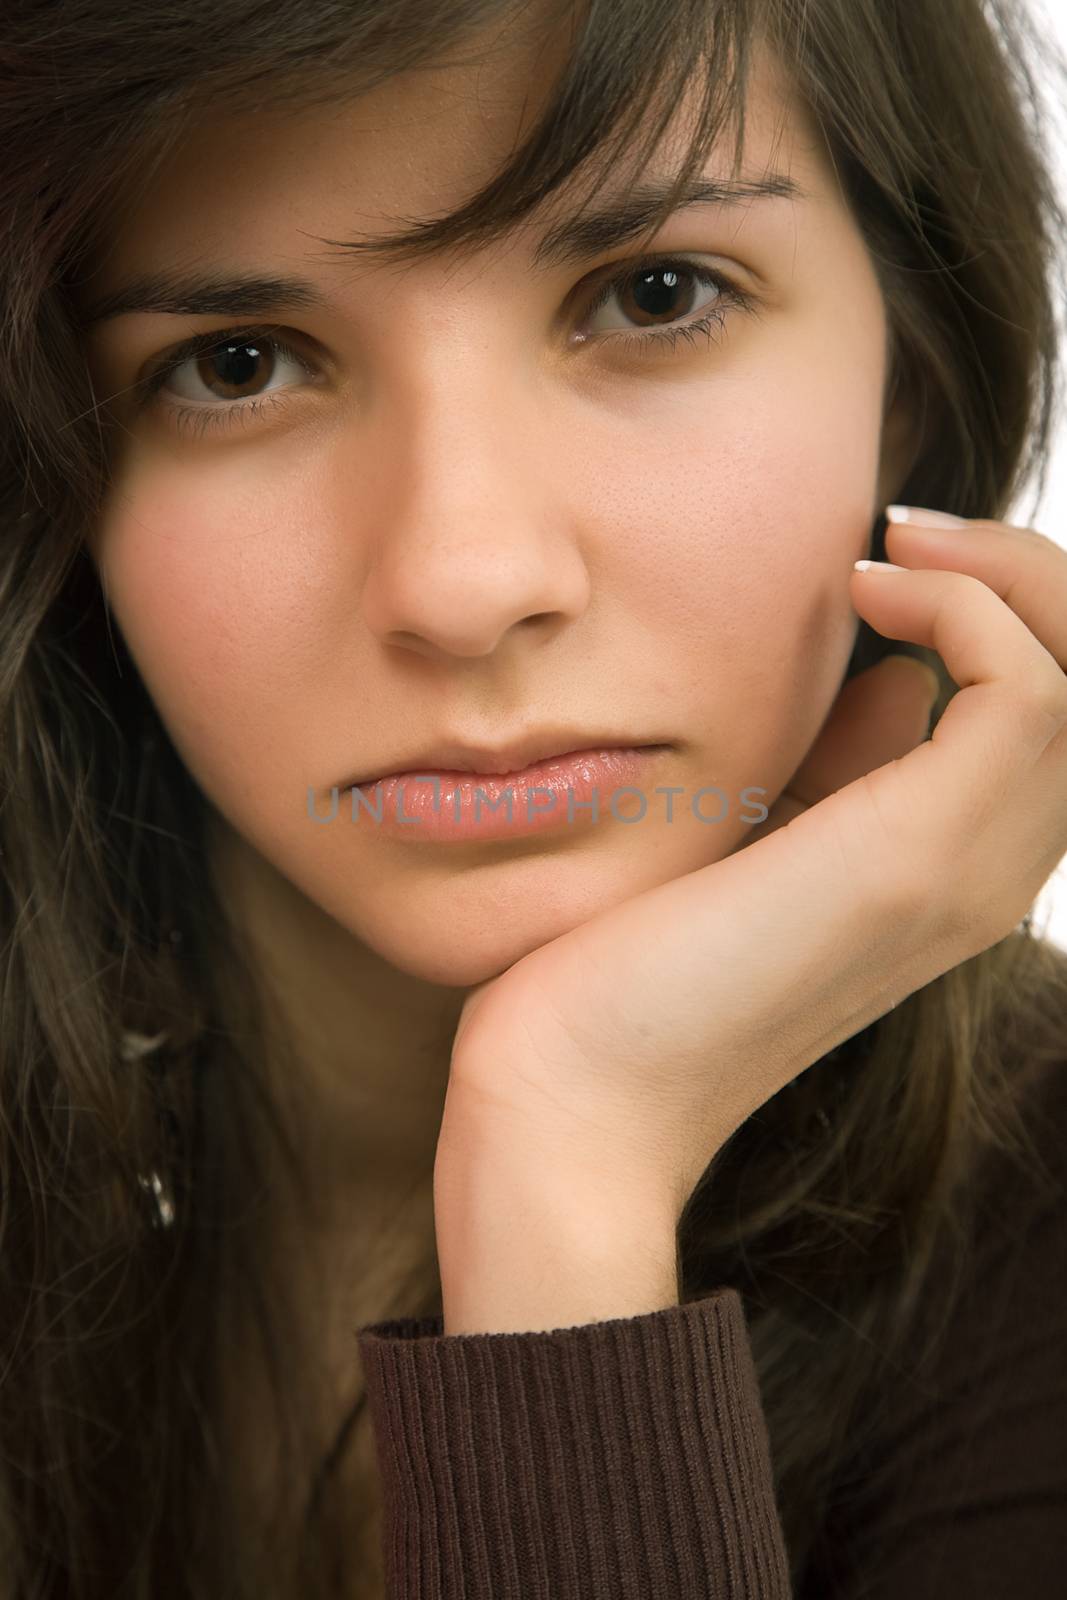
[[523, 1246]]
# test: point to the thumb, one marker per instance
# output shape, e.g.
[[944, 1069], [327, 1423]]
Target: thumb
[[914, 679], [879, 716]]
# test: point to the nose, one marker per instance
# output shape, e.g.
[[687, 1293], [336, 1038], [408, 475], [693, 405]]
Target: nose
[[475, 545]]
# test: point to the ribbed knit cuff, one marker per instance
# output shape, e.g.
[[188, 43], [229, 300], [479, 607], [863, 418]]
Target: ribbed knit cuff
[[618, 1459]]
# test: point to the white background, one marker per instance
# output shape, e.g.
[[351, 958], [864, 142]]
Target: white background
[[1049, 515]]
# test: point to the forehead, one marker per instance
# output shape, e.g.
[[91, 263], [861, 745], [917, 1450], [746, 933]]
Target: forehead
[[417, 146]]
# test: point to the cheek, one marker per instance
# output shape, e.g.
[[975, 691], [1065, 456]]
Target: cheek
[[214, 589], [740, 521], [734, 527], [752, 479]]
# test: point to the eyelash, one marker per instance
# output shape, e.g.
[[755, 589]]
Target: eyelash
[[710, 326]]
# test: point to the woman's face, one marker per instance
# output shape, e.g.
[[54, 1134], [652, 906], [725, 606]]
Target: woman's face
[[465, 523]]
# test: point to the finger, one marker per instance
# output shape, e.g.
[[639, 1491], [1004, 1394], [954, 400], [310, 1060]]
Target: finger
[[1010, 710], [1025, 568], [878, 716]]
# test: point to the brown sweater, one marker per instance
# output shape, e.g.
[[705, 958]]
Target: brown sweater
[[629, 1459]]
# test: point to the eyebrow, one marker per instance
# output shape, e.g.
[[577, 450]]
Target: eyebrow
[[203, 293]]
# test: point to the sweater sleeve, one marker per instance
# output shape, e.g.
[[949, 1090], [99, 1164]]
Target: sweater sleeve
[[618, 1460], [630, 1458]]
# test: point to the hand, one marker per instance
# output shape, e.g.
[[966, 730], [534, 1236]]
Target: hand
[[628, 1050]]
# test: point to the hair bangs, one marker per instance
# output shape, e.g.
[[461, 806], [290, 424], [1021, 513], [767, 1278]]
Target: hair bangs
[[618, 90], [609, 110]]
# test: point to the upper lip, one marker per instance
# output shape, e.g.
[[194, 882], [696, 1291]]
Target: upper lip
[[505, 759]]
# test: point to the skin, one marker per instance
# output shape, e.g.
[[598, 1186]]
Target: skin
[[472, 527]]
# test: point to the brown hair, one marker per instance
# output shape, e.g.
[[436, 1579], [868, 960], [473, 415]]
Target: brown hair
[[116, 1296]]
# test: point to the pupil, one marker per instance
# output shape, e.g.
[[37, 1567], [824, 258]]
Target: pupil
[[230, 356], [652, 298]]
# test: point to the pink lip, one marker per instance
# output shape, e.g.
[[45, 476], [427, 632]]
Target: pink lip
[[557, 792]]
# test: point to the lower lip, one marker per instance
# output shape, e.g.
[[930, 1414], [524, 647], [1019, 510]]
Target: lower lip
[[472, 806]]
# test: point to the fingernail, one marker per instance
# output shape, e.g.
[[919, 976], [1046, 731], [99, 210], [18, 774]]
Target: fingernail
[[923, 517], [878, 566]]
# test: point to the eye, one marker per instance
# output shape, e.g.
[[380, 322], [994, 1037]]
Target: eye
[[222, 372], [230, 367], [659, 291]]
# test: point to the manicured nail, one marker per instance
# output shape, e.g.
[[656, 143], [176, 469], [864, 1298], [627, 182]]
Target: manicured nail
[[923, 517], [879, 566]]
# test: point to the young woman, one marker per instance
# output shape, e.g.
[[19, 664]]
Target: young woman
[[632, 1174]]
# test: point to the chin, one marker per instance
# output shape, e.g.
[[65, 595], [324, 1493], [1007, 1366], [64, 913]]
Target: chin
[[451, 969], [462, 929], [459, 952]]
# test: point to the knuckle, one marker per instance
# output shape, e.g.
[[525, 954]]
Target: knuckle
[[961, 914], [938, 895], [884, 836], [1029, 539], [1043, 701], [913, 887], [1044, 542]]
